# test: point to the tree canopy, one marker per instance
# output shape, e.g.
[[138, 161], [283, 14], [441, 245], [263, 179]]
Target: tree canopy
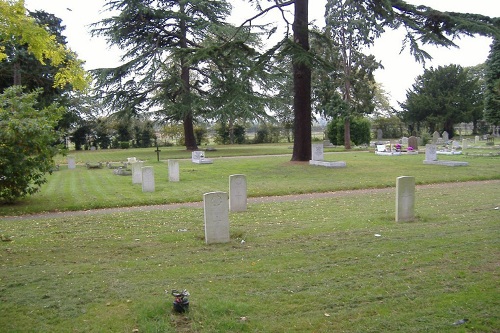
[[17, 28], [443, 97]]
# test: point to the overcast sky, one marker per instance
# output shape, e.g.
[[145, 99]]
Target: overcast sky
[[400, 69]]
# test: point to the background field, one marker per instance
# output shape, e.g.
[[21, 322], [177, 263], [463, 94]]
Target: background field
[[83, 188], [321, 264], [305, 266]]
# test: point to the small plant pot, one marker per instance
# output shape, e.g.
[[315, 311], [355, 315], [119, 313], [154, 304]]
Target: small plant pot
[[181, 306]]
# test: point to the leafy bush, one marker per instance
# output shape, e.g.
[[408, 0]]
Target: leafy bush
[[26, 135], [360, 131]]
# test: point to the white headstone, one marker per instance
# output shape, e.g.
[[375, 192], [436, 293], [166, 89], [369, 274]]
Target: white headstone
[[464, 143], [404, 141], [148, 179], [430, 152], [317, 152], [131, 160], [137, 172], [405, 199], [435, 137], [173, 170], [237, 193], [216, 215], [71, 162], [476, 139], [446, 136]]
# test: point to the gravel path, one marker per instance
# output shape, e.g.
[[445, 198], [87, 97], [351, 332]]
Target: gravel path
[[258, 200]]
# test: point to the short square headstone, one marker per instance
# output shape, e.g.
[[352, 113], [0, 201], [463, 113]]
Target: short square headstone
[[216, 215], [148, 179], [137, 172], [405, 199], [131, 160], [237, 193], [173, 170], [430, 152], [413, 142], [317, 152], [404, 141], [71, 162]]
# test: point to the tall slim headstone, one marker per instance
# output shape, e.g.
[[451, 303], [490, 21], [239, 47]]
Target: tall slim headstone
[[216, 215], [317, 152], [430, 152], [148, 179], [237, 193], [173, 170], [137, 172], [435, 137], [405, 199], [379, 134], [446, 137], [71, 162]]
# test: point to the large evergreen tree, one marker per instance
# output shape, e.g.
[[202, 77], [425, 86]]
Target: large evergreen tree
[[443, 97], [423, 25], [492, 77], [158, 71]]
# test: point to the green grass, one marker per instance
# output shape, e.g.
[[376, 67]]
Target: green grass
[[306, 266], [82, 189]]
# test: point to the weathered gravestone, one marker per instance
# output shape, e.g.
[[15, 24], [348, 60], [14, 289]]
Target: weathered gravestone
[[413, 142], [71, 162], [405, 199], [237, 193], [148, 179], [431, 158], [446, 137], [404, 141], [379, 134], [137, 172], [435, 137], [216, 215], [476, 139], [430, 153], [198, 157], [317, 152], [173, 170], [317, 156]]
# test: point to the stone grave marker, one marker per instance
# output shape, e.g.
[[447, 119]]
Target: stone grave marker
[[430, 152], [413, 142], [148, 179], [173, 170], [131, 160], [404, 141], [198, 157], [476, 139], [216, 216], [71, 162], [464, 144], [137, 172], [435, 137], [379, 134], [317, 152], [237, 193], [446, 137], [405, 199]]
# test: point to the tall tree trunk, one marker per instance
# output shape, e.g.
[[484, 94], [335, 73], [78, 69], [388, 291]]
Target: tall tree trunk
[[347, 133], [301, 87], [189, 138], [17, 73]]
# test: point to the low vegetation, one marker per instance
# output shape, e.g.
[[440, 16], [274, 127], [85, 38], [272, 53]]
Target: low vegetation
[[323, 265]]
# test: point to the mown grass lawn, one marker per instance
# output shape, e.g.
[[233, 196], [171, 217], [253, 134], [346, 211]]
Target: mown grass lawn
[[82, 188], [321, 265]]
